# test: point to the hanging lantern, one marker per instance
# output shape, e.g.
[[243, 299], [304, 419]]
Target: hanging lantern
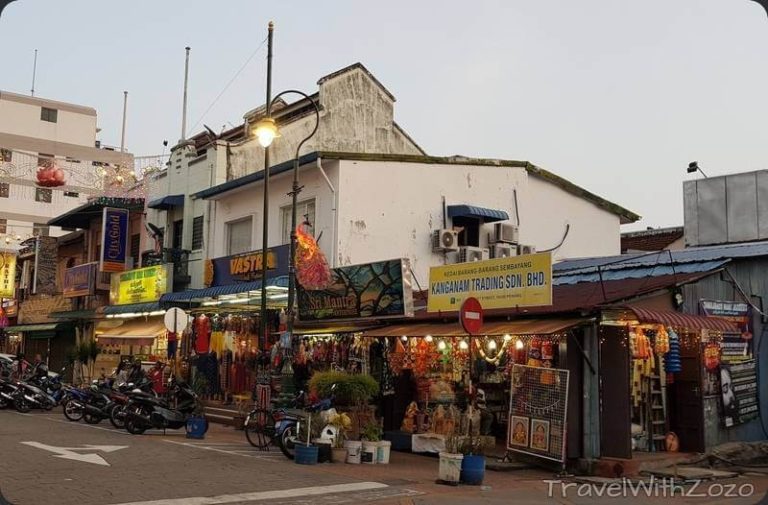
[[50, 176], [672, 362], [662, 341], [712, 356]]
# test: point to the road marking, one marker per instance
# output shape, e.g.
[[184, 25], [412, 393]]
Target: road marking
[[265, 495], [69, 452], [239, 452]]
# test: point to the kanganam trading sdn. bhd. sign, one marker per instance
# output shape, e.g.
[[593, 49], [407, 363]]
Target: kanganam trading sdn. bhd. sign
[[519, 281]]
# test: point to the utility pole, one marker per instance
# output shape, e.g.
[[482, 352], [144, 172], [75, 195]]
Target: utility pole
[[265, 222]]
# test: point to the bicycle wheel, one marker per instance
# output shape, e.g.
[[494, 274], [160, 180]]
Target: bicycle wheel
[[259, 428]]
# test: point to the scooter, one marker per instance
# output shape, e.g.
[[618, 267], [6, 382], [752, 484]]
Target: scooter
[[29, 396], [145, 412], [8, 390]]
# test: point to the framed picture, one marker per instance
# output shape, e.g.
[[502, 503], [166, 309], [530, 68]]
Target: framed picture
[[540, 435], [518, 427]]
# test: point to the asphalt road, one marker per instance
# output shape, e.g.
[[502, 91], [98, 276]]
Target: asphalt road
[[45, 459]]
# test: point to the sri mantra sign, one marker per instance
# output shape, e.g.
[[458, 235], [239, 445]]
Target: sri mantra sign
[[80, 280], [140, 285], [114, 240], [371, 290], [519, 281], [246, 267], [7, 274]]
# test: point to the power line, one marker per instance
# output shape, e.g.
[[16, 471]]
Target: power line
[[253, 54]]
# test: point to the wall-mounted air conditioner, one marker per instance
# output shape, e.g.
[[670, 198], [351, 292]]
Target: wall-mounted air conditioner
[[526, 249], [500, 250], [505, 233], [445, 240], [468, 254]]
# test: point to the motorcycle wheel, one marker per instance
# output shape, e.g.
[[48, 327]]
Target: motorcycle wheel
[[117, 417], [3, 403], [91, 419], [73, 410], [288, 442], [132, 427], [259, 430], [21, 405]]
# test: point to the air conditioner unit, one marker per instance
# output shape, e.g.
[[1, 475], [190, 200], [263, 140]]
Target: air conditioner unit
[[468, 254], [506, 233], [526, 249], [445, 240], [503, 250]]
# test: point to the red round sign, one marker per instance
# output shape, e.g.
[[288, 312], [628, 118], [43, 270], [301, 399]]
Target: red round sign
[[471, 315]]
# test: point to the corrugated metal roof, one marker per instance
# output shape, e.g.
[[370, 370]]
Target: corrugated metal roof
[[592, 275]]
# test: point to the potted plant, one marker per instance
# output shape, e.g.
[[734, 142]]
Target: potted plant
[[346, 389], [473, 463], [342, 423], [370, 436], [449, 471]]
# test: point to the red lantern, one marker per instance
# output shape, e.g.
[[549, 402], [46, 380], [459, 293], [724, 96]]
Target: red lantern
[[711, 356], [50, 176]]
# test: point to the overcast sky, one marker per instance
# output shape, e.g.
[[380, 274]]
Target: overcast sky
[[616, 96]]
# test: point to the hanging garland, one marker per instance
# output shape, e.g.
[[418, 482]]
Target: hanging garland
[[496, 359], [312, 270]]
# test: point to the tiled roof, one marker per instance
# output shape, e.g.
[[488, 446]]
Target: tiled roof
[[650, 240]]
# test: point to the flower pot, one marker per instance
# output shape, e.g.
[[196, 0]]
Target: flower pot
[[473, 469], [382, 454], [370, 449], [353, 447], [323, 450], [306, 454], [339, 455], [449, 471]]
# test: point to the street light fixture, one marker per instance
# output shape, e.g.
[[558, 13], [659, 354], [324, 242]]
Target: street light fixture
[[266, 131], [693, 167]]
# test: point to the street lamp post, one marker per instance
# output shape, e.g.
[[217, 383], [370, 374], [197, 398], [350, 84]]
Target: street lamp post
[[266, 131]]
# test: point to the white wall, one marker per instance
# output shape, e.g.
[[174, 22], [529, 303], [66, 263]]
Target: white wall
[[24, 119]]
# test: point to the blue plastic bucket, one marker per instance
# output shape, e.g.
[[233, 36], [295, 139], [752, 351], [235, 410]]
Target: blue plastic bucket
[[473, 470], [196, 427], [306, 455]]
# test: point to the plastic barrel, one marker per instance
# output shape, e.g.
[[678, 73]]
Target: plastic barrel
[[354, 448], [473, 470], [306, 455], [370, 449], [382, 455], [196, 427]]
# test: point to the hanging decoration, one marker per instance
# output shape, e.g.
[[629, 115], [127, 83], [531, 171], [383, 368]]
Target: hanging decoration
[[492, 345], [312, 270], [712, 356], [50, 175], [641, 348], [534, 352], [662, 341], [672, 364]]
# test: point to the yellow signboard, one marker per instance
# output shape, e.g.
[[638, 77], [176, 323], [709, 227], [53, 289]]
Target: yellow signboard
[[140, 285], [7, 274], [520, 281]]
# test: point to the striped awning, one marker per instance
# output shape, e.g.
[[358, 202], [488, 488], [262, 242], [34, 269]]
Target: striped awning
[[514, 327], [681, 321], [215, 291], [137, 332]]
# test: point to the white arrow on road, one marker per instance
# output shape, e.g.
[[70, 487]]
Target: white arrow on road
[[69, 452]]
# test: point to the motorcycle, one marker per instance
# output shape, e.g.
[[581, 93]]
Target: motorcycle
[[144, 411], [51, 385], [73, 401], [29, 396], [91, 404], [8, 390], [122, 396]]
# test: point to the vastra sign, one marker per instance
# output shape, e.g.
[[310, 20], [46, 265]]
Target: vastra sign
[[246, 267]]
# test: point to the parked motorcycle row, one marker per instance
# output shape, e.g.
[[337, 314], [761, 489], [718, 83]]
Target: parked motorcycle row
[[134, 407]]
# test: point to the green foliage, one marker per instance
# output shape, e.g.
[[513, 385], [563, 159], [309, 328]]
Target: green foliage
[[351, 389], [71, 355], [371, 432]]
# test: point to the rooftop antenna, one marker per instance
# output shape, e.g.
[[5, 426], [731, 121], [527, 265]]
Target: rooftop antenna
[[34, 73], [184, 107]]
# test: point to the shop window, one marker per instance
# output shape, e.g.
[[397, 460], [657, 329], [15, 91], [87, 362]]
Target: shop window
[[178, 233], [5, 190], [469, 230], [197, 233], [44, 195], [305, 213], [49, 115], [5, 155], [239, 235]]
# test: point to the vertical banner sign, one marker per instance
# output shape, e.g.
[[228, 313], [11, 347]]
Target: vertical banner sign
[[114, 240], [7, 274]]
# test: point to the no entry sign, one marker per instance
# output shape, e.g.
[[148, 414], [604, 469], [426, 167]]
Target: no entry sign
[[471, 316]]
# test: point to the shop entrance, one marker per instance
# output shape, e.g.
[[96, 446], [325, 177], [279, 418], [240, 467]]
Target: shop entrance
[[615, 417], [685, 394]]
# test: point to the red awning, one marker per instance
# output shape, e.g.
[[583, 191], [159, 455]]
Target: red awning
[[680, 320]]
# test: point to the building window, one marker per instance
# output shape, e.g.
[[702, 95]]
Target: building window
[[44, 160], [178, 234], [43, 195], [3, 225], [5, 155], [305, 213], [135, 248], [5, 190], [40, 230], [50, 115], [469, 230], [197, 233], [239, 235], [72, 194]]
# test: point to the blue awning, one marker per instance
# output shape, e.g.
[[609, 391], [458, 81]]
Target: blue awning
[[229, 289], [167, 202], [487, 215], [131, 308]]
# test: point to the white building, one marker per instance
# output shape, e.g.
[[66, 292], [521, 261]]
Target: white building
[[373, 207], [36, 132], [356, 115]]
